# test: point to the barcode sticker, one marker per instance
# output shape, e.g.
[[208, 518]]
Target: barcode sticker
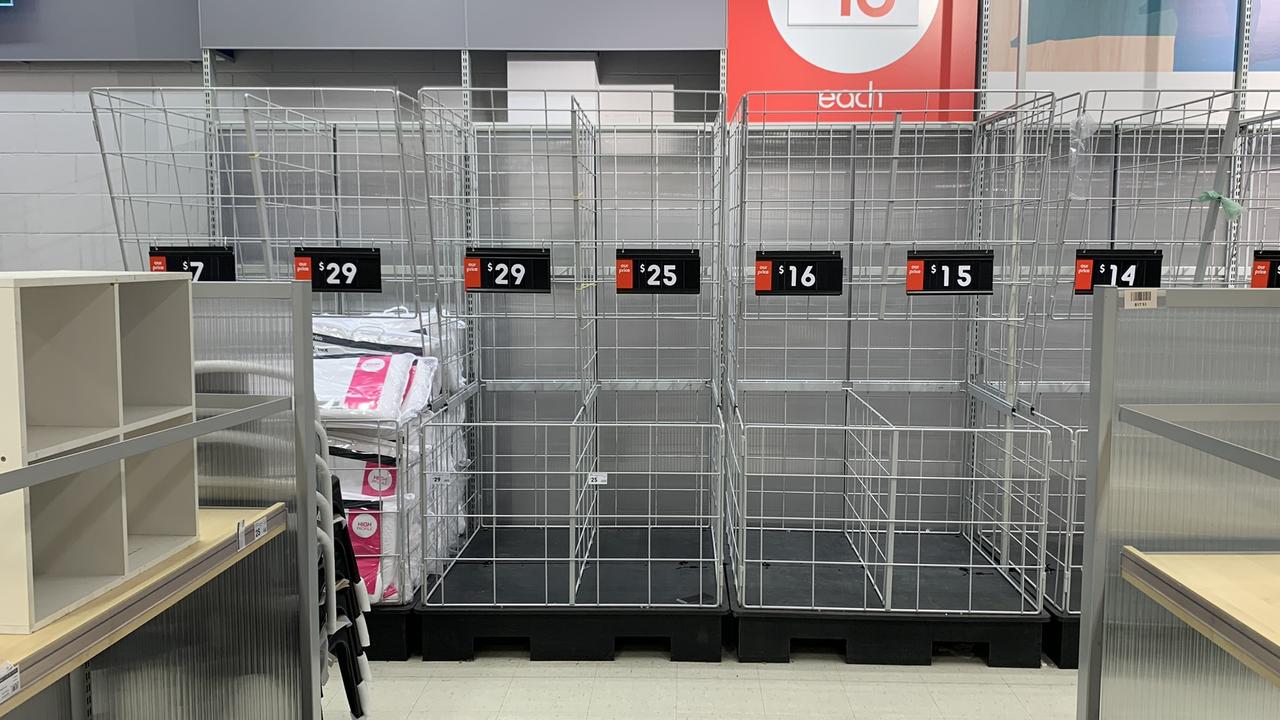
[[598, 478], [10, 681], [1139, 299]]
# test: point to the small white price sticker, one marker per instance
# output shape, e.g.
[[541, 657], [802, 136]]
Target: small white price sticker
[[250, 534], [598, 478], [10, 681]]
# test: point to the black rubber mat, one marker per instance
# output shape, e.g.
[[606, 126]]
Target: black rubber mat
[[793, 574], [649, 566]]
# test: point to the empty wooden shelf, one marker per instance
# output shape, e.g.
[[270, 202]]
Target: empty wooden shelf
[[86, 360]]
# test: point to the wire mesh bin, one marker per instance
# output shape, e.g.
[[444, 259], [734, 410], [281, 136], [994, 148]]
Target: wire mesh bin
[[332, 185], [589, 513], [1130, 173], [879, 516], [882, 262], [1129, 204], [595, 440]]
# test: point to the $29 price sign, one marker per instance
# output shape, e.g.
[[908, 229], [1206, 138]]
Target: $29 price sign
[[339, 270], [662, 272], [206, 264], [798, 272], [1117, 268], [950, 272], [1266, 269], [518, 270]]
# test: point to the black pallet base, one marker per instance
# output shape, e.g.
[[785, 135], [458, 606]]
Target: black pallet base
[[570, 633], [883, 640], [393, 632], [1062, 640]]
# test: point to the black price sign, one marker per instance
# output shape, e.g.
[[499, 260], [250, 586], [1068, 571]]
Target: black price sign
[[339, 270], [1266, 269], [206, 264], [659, 271], [951, 272], [521, 270], [799, 272], [1117, 268]]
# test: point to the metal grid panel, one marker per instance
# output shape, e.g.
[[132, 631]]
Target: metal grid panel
[[1128, 170], [887, 516], [875, 464], [582, 383], [1257, 178], [875, 184], [589, 512], [263, 170]]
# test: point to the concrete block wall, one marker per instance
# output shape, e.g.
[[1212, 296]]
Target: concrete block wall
[[54, 209]]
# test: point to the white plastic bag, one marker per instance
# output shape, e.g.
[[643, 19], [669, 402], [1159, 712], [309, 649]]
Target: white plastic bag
[[369, 387]]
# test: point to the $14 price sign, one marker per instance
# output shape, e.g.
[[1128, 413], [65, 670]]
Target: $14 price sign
[[1117, 268]]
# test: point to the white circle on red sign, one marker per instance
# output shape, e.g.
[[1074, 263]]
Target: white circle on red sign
[[852, 36], [364, 525]]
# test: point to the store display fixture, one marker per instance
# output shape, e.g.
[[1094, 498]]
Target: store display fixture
[[882, 490], [1177, 615], [593, 507], [572, 362], [1124, 207], [93, 358]]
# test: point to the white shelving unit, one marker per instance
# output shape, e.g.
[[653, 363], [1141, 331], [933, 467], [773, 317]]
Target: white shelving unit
[[86, 360]]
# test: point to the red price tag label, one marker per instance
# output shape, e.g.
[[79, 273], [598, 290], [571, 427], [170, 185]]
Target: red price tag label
[[764, 275], [626, 276], [915, 275], [302, 268], [1084, 275]]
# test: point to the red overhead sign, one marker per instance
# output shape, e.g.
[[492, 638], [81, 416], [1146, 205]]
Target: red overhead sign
[[849, 56]]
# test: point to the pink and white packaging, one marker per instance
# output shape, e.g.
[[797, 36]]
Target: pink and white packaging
[[399, 330], [362, 387], [388, 563], [424, 384]]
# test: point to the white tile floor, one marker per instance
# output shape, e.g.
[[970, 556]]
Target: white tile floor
[[647, 685]]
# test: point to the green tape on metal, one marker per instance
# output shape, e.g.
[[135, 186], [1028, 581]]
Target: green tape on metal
[[1229, 206]]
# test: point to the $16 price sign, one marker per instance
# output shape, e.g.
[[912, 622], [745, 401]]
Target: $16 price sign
[[798, 272]]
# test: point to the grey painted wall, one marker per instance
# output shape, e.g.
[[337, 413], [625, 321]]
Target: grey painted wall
[[80, 30], [475, 24]]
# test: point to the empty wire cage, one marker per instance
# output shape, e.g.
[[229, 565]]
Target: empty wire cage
[[595, 441], [1131, 172], [875, 464], [1127, 205]]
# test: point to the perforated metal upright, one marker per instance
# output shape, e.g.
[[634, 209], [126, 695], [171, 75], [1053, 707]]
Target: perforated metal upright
[[1129, 170], [881, 489], [595, 441]]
